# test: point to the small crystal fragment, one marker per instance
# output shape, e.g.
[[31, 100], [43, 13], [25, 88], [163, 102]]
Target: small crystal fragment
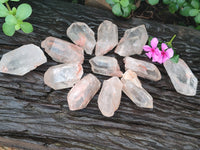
[[142, 69], [63, 76], [110, 96], [83, 91], [182, 77], [22, 60], [133, 41], [63, 51], [133, 89], [107, 38], [105, 65], [81, 34]]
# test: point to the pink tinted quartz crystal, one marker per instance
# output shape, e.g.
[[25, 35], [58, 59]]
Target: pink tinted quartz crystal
[[110, 96], [83, 91], [142, 68], [134, 90], [63, 51], [132, 42], [81, 34], [63, 76], [105, 65], [107, 38], [182, 77]]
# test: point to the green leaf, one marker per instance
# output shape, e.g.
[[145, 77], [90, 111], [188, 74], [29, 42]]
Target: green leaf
[[8, 29], [23, 11], [132, 6], [3, 11], [195, 4], [149, 41], [124, 3], [193, 12], [173, 7], [117, 10], [15, 0], [110, 2], [10, 19], [17, 26], [126, 11], [153, 2], [166, 1], [197, 18], [116, 1], [13, 11], [185, 11], [175, 58], [3, 1], [27, 27], [180, 2]]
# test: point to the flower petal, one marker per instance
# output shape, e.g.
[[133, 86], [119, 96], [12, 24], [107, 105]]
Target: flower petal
[[147, 48], [165, 58], [149, 54], [164, 46], [156, 55], [154, 43], [170, 52]]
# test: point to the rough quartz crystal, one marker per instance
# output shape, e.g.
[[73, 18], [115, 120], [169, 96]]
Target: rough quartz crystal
[[182, 77], [81, 34], [63, 51], [63, 76], [105, 65], [83, 91], [22, 60], [133, 89], [110, 96], [142, 69], [132, 42], [107, 38]]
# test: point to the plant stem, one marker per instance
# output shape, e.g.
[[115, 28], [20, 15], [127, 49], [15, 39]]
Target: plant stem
[[7, 5], [170, 42]]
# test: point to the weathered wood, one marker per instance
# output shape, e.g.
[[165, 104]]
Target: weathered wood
[[31, 111]]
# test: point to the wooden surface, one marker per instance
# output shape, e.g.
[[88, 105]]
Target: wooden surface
[[32, 113]]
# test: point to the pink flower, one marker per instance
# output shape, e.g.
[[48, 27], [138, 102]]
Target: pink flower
[[153, 51], [165, 54]]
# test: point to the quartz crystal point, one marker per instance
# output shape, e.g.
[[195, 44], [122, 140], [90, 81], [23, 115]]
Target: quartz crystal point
[[63, 51], [182, 77], [142, 69], [105, 65], [110, 96], [81, 34], [133, 41], [22, 60], [83, 91], [63, 76], [107, 38], [133, 89]]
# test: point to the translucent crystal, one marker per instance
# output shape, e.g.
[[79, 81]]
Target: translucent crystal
[[107, 38], [22, 60], [105, 65], [63, 51], [132, 42], [110, 96], [182, 77], [133, 89], [63, 76], [81, 34], [83, 91], [142, 68]]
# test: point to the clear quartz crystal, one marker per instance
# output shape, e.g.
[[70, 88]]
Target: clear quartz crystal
[[142, 68], [83, 91], [182, 77], [81, 34], [63, 76], [133, 89], [105, 65], [110, 96], [132, 42], [63, 51], [22, 60], [107, 37]]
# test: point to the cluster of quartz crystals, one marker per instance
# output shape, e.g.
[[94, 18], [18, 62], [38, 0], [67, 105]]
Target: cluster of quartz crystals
[[69, 74]]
